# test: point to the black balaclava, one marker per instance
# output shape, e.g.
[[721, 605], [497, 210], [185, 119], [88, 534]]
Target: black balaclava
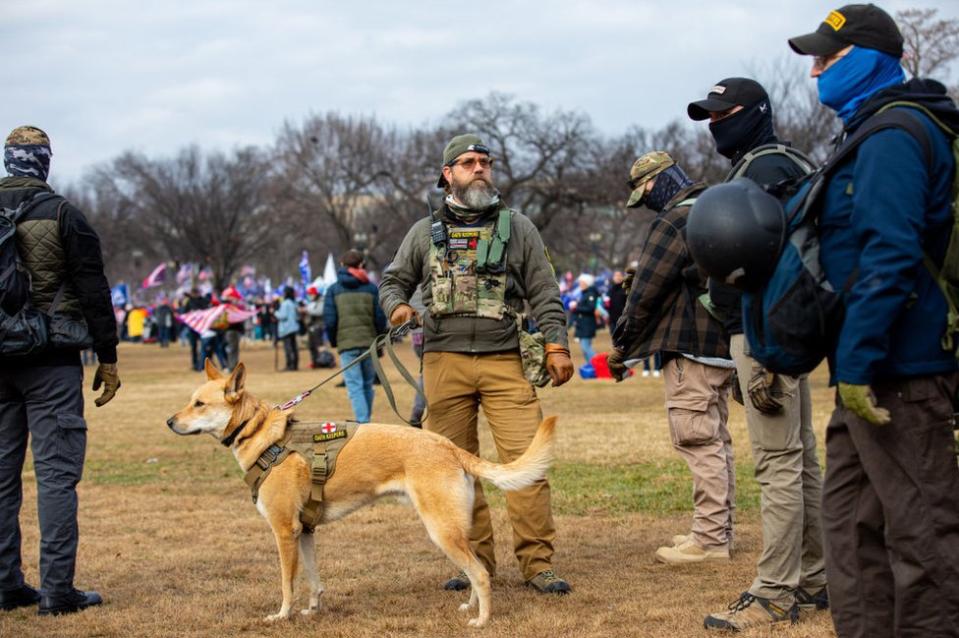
[[741, 132], [668, 183]]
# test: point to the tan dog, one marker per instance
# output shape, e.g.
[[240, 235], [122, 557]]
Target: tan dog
[[379, 460]]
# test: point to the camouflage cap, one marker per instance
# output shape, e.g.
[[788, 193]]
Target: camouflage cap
[[27, 135], [459, 145], [644, 169]]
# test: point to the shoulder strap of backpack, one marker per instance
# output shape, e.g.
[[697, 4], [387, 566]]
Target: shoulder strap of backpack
[[800, 159]]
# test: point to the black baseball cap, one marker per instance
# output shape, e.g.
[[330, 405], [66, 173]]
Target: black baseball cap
[[864, 25], [725, 95]]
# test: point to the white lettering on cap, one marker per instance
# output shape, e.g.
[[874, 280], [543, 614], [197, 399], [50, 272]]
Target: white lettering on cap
[[719, 89]]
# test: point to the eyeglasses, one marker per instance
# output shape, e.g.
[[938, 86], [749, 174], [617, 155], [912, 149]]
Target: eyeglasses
[[470, 163], [823, 62]]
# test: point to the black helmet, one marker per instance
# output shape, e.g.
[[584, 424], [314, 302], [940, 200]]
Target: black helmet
[[735, 232]]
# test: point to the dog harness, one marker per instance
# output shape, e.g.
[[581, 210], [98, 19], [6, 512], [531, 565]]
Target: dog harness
[[319, 444]]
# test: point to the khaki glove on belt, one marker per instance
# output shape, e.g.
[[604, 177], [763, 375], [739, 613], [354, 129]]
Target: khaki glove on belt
[[764, 391], [558, 364], [403, 313], [614, 361], [860, 400], [107, 376]]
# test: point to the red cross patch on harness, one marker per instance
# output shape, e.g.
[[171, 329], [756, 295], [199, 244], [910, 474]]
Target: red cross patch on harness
[[328, 428]]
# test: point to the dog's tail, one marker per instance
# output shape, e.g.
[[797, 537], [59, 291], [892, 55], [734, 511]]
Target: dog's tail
[[524, 471]]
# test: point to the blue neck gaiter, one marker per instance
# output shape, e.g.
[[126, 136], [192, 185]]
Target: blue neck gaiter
[[856, 77]]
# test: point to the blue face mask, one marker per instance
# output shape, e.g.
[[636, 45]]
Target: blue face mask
[[854, 78]]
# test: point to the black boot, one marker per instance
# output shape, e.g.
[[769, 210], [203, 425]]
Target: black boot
[[57, 604], [23, 596]]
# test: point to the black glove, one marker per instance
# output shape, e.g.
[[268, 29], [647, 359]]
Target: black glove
[[737, 390]]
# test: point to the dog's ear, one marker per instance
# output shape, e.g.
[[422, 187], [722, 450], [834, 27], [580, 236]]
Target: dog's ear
[[212, 373], [234, 385]]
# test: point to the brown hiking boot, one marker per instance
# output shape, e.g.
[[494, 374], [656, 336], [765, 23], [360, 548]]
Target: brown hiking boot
[[691, 552], [547, 582], [753, 611]]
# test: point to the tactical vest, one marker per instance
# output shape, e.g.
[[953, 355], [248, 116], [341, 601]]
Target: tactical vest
[[319, 444], [468, 269]]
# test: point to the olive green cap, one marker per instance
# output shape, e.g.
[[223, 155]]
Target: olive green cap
[[457, 146], [644, 169], [27, 135]]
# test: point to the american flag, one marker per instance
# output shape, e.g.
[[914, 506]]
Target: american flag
[[201, 320]]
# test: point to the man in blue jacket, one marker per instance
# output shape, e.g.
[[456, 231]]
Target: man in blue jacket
[[891, 493], [353, 318]]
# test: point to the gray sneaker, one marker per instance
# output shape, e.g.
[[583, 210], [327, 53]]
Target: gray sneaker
[[457, 583]]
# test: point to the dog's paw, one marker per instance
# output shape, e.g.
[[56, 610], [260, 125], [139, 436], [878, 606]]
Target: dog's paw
[[465, 607], [477, 622], [278, 616]]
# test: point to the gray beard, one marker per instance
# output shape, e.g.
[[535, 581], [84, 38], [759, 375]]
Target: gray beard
[[479, 195]]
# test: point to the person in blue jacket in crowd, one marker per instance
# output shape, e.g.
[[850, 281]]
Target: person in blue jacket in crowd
[[353, 318], [891, 493]]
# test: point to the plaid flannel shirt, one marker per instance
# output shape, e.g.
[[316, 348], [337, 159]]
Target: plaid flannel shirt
[[663, 313]]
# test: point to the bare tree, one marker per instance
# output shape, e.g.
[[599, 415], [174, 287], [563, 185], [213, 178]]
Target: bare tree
[[930, 45], [212, 209]]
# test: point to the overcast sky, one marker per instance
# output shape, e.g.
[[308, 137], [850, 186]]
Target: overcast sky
[[105, 76]]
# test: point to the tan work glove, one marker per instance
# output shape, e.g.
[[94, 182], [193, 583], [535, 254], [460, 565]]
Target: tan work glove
[[860, 400], [628, 279], [614, 361], [558, 364], [403, 313], [763, 391], [107, 376]]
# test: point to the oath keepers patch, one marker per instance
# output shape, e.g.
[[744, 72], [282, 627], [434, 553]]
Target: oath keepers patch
[[463, 239], [329, 432]]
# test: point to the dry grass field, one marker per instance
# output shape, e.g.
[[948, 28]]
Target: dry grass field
[[171, 540]]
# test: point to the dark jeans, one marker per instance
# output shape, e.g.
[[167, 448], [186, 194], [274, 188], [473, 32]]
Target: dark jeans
[[196, 353], [46, 405], [891, 515], [290, 350]]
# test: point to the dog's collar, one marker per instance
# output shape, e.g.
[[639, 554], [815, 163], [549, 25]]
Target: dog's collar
[[228, 440]]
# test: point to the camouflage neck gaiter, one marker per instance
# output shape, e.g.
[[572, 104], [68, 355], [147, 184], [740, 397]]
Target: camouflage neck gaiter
[[468, 215], [27, 160]]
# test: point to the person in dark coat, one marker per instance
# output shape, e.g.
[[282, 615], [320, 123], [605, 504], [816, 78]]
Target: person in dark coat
[[584, 315]]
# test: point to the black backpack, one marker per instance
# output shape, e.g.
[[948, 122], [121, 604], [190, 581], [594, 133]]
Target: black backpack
[[23, 328]]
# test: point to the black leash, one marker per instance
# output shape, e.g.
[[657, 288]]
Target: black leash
[[384, 341]]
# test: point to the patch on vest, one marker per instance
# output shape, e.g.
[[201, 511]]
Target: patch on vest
[[329, 432]]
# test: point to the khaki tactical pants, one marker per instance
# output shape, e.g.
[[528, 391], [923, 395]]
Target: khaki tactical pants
[[456, 386], [787, 470], [697, 413]]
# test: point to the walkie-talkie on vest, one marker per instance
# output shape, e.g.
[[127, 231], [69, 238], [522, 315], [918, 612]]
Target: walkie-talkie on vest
[[434, 201]]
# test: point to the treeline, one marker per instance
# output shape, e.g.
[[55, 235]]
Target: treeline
[[336, 181]]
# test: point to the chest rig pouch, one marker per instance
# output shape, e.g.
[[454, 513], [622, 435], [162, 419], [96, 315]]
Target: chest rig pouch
[[468, 269], [319, 444]]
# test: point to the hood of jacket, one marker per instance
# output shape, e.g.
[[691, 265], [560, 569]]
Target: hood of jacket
[[352, 277], [930, 93]]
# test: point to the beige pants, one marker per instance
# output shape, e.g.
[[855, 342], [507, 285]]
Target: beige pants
[[697, 412], [787, 469], [456, 385]]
